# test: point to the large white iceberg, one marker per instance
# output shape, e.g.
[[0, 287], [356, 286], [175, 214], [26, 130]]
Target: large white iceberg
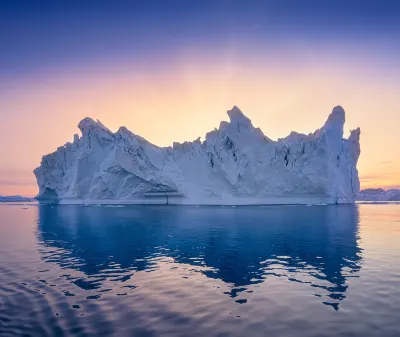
[[236, 164]]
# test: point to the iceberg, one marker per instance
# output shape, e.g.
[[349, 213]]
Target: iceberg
[[379, 194], [15, 198], [235, 164]]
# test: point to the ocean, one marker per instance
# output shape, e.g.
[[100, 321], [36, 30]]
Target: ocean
[[200, 271]]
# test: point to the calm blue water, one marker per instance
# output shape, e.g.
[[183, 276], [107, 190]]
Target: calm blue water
[[200, 271]]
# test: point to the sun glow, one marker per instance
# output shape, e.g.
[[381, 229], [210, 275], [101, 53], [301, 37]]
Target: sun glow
[[187, 98]]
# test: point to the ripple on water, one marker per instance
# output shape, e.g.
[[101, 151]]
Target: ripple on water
[[280, 271]]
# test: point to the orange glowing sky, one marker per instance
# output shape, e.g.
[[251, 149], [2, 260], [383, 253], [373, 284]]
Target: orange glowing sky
[[170, 73], [186, 100]]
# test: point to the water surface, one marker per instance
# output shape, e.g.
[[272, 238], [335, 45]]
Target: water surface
[[215, 271]]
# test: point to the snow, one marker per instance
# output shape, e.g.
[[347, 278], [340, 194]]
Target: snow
[[236, 164]]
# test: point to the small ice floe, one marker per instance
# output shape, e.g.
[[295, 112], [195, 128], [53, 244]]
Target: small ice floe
[[318, 204], [115, 206]]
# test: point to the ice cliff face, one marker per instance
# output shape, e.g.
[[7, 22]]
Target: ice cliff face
[[235, 164]]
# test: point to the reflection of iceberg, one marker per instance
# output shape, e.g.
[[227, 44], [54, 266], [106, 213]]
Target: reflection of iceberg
[[240, 246]]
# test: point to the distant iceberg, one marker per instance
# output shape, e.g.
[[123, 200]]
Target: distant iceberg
[[236, 164], [379, 194], [15, 198]]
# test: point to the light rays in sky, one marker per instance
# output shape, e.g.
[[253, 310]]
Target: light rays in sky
[[170, 74]]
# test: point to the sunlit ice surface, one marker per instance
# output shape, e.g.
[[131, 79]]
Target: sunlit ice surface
[[215, 271]]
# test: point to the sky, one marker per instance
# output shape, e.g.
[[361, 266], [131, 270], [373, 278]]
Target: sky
[[169, 71]]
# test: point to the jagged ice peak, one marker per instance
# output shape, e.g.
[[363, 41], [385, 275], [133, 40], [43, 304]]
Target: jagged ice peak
[[235, 164]]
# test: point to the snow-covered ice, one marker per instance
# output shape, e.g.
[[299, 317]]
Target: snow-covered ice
[[236, 164]]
